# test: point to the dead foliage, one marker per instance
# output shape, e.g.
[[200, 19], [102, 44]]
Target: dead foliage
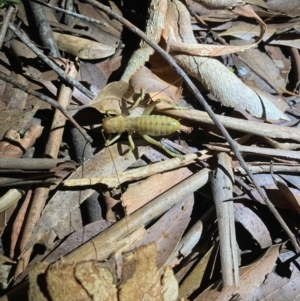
[[199, 200]]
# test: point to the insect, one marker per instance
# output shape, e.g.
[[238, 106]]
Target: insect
[[146, 125]]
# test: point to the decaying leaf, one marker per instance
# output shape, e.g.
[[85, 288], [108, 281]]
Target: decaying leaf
[[94, 280], [16, 119]]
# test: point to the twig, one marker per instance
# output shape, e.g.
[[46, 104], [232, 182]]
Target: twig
[[30, 163], [50, 63], [222, 182], [207, 108], [44, 29], [261, 151], [264, 168], [4, 25], [244, 126], [46, 99], [134, 174], [79, 16]]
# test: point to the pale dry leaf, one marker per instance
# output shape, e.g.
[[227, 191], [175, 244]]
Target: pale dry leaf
[[140, 276], [290, 41], [62, 284], [220, 3], [109, 100], [5, 259], [194, 278], [169, 285], [83, 48], [98, 279], [251, 277]]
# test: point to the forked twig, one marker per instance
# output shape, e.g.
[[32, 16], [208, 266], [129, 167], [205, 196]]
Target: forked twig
[[207, 108]]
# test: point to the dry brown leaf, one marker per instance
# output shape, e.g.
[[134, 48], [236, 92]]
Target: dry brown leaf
[[168, 230], [94, 280], [135, 197], [263, 65], [140, 276], [246, 31], [291, 8], [253, 224], [251, 277], [16, 119], [77, 238], [83, 48], [278, 285], [291, 195], [145, 79]]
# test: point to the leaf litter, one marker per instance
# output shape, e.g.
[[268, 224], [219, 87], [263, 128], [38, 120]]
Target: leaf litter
[[157, 218]]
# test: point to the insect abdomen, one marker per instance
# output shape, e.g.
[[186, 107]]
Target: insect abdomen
[[152, 125]]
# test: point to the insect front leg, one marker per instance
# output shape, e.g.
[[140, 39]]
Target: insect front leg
[[111, 140], [159, 144]]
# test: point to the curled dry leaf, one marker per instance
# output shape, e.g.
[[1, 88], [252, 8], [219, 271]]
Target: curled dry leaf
[[253, 224], [223, 84], [109, 100], [203, 49], [83, 48], [251, 277]]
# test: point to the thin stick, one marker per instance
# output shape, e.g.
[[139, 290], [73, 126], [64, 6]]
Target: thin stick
[[50, 63], [4, 25], [46, 99], [207, 108], [68, 12]]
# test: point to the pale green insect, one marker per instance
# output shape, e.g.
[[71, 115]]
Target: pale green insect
[[146, 125]]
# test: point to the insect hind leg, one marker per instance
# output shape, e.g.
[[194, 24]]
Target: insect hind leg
[[132, 146], [159, 144]]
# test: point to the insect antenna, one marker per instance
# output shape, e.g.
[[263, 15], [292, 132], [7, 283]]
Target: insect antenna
[[120, 186]]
